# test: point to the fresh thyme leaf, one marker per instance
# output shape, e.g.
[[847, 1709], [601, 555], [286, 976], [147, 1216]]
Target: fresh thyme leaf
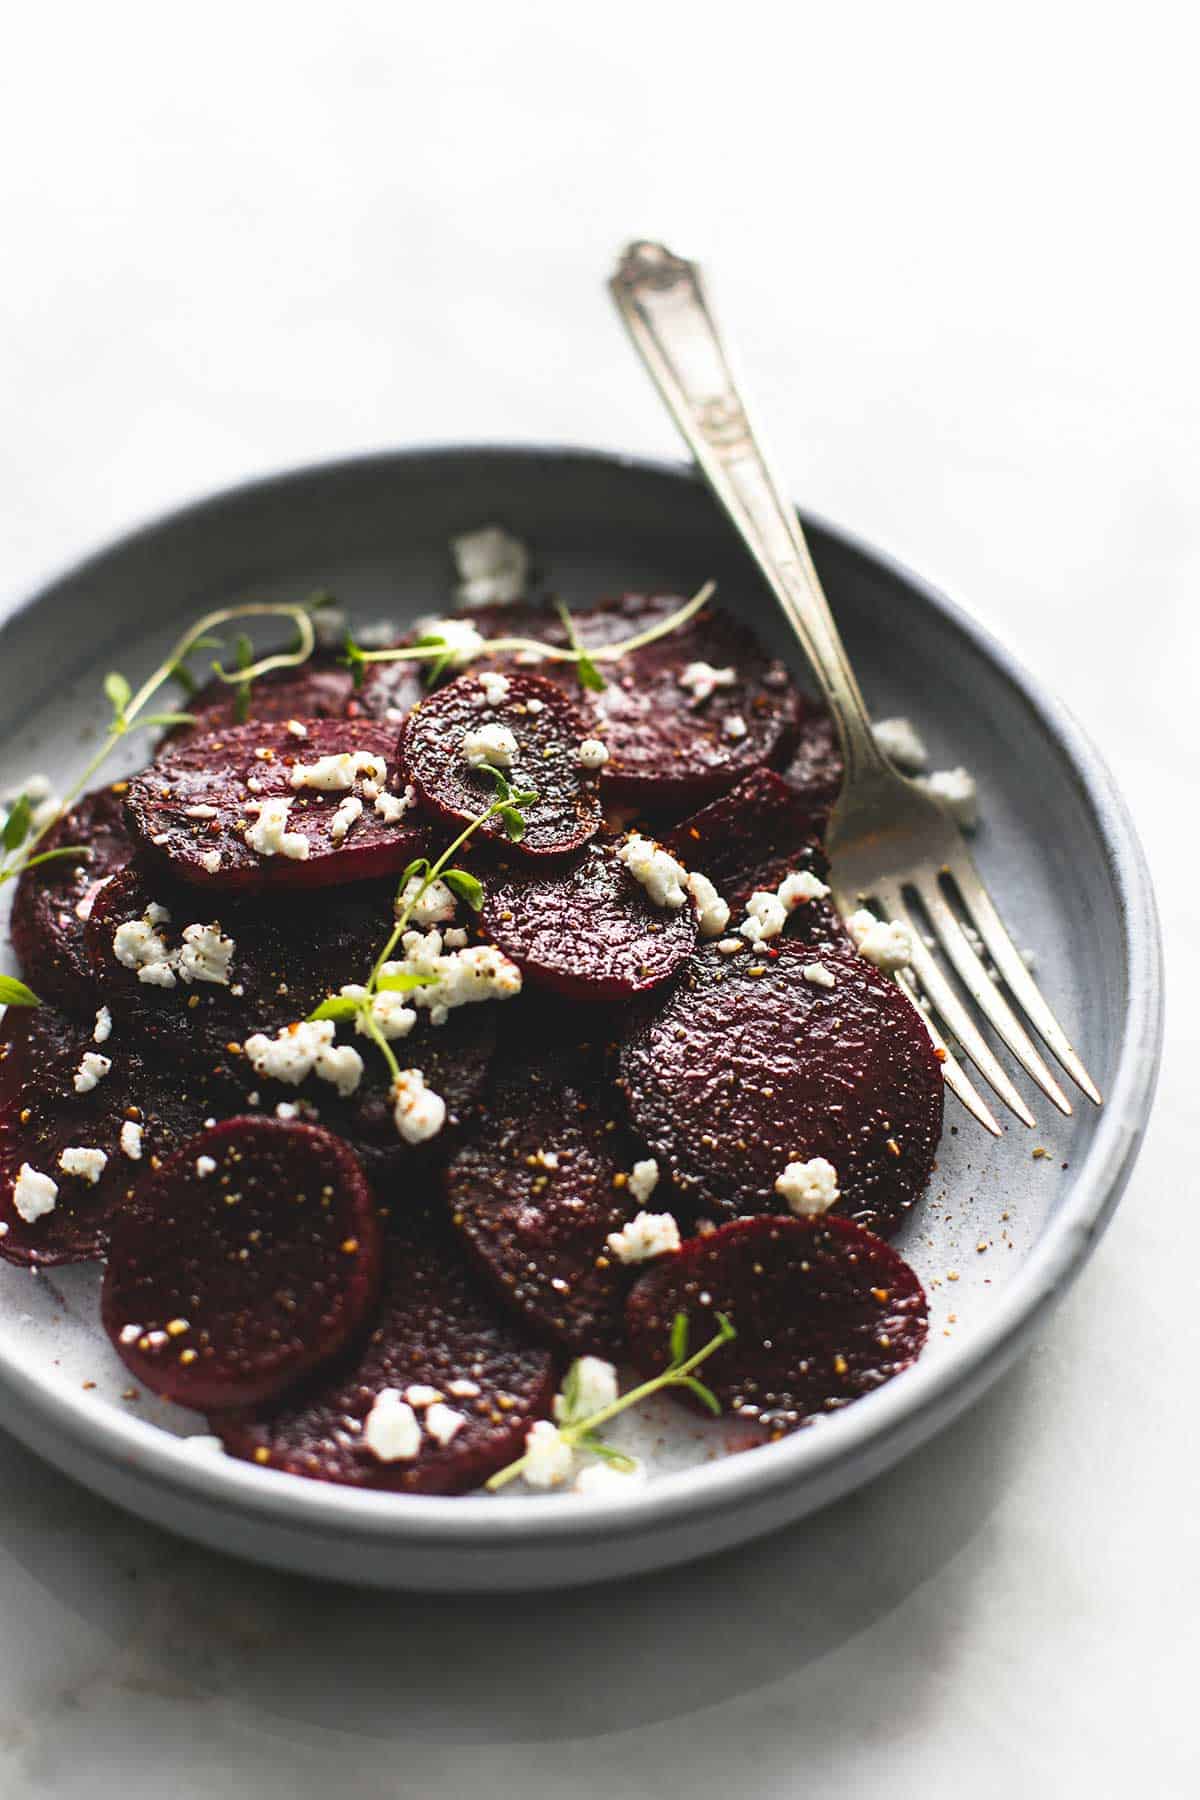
[[679, 1337], [606, 1452], [169, 718], [75, 850], [16, 826], [465, 887], [15, 993], [336, 1007], [588, 674], [701, 1392], [570, 1392], [522, 797], [243, 654], [354, 658], [404, 983], [513, 823], [418, 868], [117, 691], [503, 791]]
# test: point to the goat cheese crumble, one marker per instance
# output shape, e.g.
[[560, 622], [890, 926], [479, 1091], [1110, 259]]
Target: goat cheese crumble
[[34, 1194], [131, 1140], [548, 1456], [664, 879], [391, 1432], [205, 954], [419, 1113], [307, 1048], [87, 1163], [900, 740], [495, 687], [91, 1071], [592, 754], [333, 774], [594, 1385], [493, 567], [269, 835], [818, 975], [102, 1030], [955, 790], [712, 913], [494, 744], [460, 641], [701, 680], [206, 1166], [643, 1180], [810, 1188], [887, 944], [436, 905], [138, 945], [348, 812], [647, 1235]]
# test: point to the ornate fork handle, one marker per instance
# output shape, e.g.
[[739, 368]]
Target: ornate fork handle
[[661, 298]]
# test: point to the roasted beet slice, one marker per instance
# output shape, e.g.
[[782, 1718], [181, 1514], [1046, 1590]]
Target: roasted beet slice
[[259, 805], [537, 747], [133, 1112], [815, 769], [587, 930], [536, 1197], [53, 900], [824, 1312], [318, 689], [252, 1257], [749, 1066], [435, 1329]]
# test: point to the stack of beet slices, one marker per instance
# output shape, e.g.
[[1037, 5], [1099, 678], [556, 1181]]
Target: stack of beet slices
[[394, 1308]]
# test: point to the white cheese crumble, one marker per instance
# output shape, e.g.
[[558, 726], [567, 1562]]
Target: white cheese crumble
[[199, 812], [131, 1140], [548, 1456], [643, 1180], [664, 879], [348, 812], [211, 860], [334, 774], [436, 905], [137, 945], [480, 972], [421, 1394], [701, 680], [594, 1382], [205, 1166], [91, 1071], [494, 744], [799, 887], [818, 975], [205, 955], [103, 1027], [493, 566], [391, 1432], [900, 740], [202, 1443], [269, 835], [80, 1160], [495, 688], [297, 1051], [766, 916], [456, 939], [461, 642], [810, 1188], [443, 1422], [33, 1193], [296, 729], [887, 945], [463, 1389], [733, 726], [389, 1011], [592, 754], [536, 706], [419, 1112], [955, 790], [646, 1235], [607, 1480]]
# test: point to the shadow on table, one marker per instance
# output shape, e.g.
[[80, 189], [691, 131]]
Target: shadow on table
[[299, 1656]]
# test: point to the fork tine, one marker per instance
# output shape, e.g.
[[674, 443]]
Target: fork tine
[[1008, 960], [950, 1008], [953, 1073], [985, 993]]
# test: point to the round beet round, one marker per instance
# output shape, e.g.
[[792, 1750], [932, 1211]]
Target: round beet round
[[439, 739], [824, 1312], [434, 1329], [204, 809], [318, 689], [749, 1066], [589, 930], [816, 769], [53, 900], [252, 1257]]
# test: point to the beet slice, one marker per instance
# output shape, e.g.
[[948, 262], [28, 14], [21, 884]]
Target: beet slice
[[748, 1067], [535, 1198], [192, 810], [252, 1257], [52, 901], [824, 1312], [318, 689], [589, 930], [137, 1112], [815, 769], [548, 729], [435, 1328]]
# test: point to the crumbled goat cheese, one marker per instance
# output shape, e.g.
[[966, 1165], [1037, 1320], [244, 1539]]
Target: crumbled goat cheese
[[462, 1389], [766, 916], [494, 744], [91, 1071], [459, 640], [592, 754], [298, 1051], [130, 1333], [643, 1180], [731, 946], [211, 860], [436, 905], [131, 1140], [495, 688], [712, 913], [702, 681], [137, 945], [269, 835], [442, 1422], [329, 627], [202, 1443], [205, 955], [608, 1480], [156, 914], [456, 939], [646, 1235], [818, 975], [733, 726], [887, 945], [205, 1166], [199, 812], [663, 878], [900, 740], [296, 729], [810, 1188], [33, 1193], [536, 706], [348, 812], [392, 807], [391, 1432], [595, 1386], [955, 790], [334, 774], [800, 886], [493, 567], [79, 1160], [420, 1394], [419, 1112], [548, 1456], [480, 972], [102, 1030]]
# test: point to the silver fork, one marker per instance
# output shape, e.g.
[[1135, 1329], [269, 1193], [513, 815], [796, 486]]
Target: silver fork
[[888, 842]]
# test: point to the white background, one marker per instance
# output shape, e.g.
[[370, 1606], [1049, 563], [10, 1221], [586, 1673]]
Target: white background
[[956, 245]]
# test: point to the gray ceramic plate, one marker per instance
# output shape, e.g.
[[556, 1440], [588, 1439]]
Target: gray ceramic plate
[[1002, 1233]]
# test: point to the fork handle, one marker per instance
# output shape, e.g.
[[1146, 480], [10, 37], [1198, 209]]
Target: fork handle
[[661, 298]]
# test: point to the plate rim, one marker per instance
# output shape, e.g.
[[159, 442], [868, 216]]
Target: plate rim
[[879, 1427]]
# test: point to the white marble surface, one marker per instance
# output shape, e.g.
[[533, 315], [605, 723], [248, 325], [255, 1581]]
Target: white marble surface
[[958, 250]]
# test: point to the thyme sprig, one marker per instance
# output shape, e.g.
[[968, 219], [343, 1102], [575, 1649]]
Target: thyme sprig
[[579, 1434]]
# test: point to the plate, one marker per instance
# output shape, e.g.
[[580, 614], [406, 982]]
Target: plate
[[1003, 1230]]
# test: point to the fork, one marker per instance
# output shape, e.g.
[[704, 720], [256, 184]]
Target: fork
[[889, 844]]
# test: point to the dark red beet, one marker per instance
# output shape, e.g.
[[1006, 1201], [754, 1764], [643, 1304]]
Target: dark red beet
[[824, 1312], [567, 810], [191, 811], [434, 1327], [589, 930], [535, 1198], [748, 1067], [42, 1115], [816, 769], [47, 925], [252, 1257], [318, 689]]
